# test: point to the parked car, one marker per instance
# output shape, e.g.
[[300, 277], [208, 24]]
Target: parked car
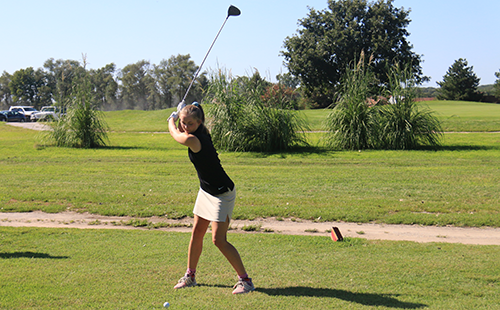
[[26, 110], [12, 116], [49, 113]]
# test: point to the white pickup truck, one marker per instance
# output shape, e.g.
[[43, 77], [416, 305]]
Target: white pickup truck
[[26, 110], [49, 113]]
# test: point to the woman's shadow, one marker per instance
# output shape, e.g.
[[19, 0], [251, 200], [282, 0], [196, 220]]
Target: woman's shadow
[[366, 299], [30, 255]]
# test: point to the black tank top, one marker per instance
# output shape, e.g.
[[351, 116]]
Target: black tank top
[[213, 179]]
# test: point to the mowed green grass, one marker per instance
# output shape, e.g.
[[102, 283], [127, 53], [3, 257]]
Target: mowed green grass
[[136, 269], [455, 116], [467, 116], [143, 172]]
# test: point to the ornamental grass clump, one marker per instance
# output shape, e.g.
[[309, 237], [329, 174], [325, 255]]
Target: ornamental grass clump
[[353, 124], [83, 126], [405, 126], [360, 122], [241, 121]]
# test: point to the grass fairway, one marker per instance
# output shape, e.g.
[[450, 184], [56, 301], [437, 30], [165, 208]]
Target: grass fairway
[[455, 116], [144, 173], [466, 116], [105, 269]]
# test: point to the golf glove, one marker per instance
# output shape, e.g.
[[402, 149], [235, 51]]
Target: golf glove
[[180, 106], [174, 115]]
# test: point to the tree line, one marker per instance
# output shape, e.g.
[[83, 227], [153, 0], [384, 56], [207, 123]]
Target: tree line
[[141, 85], [326, 46], [462, 84]]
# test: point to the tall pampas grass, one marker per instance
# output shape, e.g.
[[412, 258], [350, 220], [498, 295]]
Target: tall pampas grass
[[240, 121], [353, 124], [83, 126], [405, 125]]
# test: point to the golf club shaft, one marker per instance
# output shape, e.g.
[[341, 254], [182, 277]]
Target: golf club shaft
[[199, 68]]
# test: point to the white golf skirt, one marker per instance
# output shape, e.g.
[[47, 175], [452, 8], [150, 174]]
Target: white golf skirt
[[215, 208]]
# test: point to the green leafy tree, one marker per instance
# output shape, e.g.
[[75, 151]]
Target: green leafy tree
[[281, 97], [5, 94], [30, 87], [496, 86], [163, 96], [254, 86], [135, 85], [288, 80], [459, 83], [104, 86], [175, 75], [62, 75], [329, 40], [23, 86]]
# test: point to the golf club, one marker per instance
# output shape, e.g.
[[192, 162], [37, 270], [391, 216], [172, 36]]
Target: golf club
[[232, 11]]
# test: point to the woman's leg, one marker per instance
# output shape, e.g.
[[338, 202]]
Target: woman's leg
[[195, 247], [219, 238], [200, 227]]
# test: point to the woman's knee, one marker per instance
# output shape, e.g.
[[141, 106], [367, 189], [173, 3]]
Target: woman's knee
[[219, 241]]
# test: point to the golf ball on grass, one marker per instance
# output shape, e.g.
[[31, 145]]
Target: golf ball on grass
[[166, 304]]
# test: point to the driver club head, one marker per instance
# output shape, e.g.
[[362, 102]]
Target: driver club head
[[233, 11]]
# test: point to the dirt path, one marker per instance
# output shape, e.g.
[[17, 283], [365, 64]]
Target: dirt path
[[478, 236], [40, 126]]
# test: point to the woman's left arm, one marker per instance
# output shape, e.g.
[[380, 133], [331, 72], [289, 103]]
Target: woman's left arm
[[182, 137]]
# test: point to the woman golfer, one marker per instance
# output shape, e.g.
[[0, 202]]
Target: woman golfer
[[216, 197]]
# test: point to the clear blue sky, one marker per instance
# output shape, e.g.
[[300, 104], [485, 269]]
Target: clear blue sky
[[127, 31]]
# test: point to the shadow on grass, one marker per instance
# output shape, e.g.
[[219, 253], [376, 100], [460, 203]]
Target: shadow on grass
[[30, 255], [316, 150], [467, 148], [366, 299], [126, 148], [301, 150]]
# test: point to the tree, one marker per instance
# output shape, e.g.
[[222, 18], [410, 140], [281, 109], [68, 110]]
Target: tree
[[135, 87], [330, 40], [5, 94], [162, 86], [176, 74], [104, 85], [62, 75], [30, 87], [496, 86], [288, 80], [281, 97], [459, 83]]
